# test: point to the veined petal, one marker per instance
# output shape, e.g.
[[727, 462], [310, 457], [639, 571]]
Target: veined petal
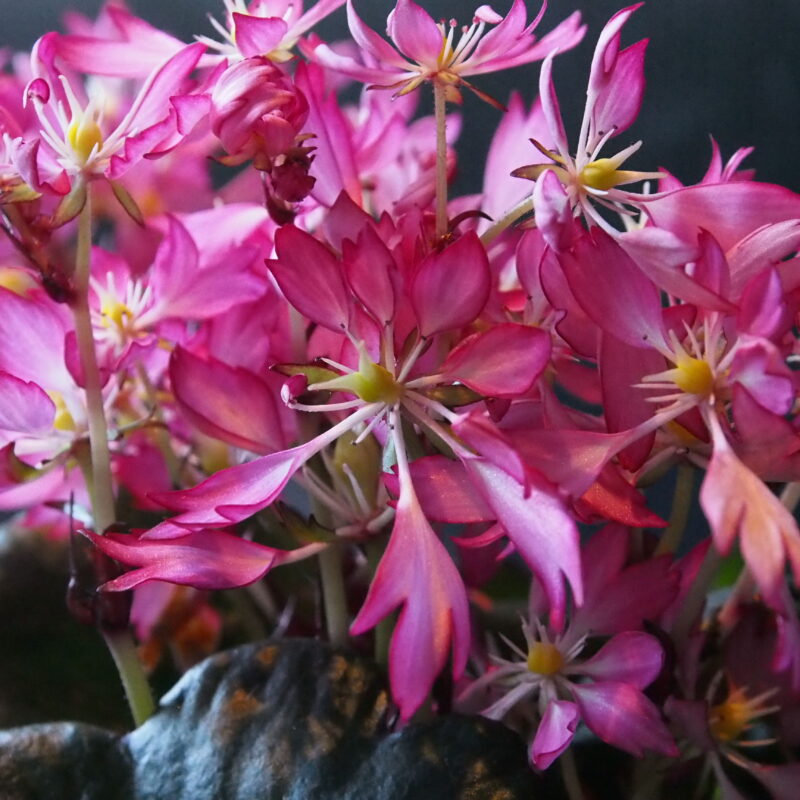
[[623, 717], [503, 361]]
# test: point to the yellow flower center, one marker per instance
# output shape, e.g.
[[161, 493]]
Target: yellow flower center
[[729, 719], [63, 420], [601, 174], [83, 135], [116, 314], [544, 658], [693, 375]]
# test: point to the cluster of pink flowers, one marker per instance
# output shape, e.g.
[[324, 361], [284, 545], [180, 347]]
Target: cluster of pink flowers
[[326, 356]]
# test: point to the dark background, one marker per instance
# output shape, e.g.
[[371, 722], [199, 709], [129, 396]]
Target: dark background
[[730, 68]]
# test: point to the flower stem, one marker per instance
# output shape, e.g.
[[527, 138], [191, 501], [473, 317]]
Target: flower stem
[[569, 772], [120, 642], [696, 597], [679, 516], [383, 630], [333, 594], [440, 114]]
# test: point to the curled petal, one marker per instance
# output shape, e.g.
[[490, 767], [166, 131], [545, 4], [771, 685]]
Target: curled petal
[[555, 732]]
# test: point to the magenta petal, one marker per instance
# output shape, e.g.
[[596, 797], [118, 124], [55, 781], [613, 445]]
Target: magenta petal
[[256, 36], [228, 403], [623, 717], [631, 657], [555, 732], [618, 102], [449, 289], [311, 278], [503, 361], [417, 573], [369, 267], [539, 526], [203, 559], [415, 33]]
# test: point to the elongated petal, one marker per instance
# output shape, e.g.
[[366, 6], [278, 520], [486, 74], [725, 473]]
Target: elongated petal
[[369, 268], [617, 104], [550, 107], [555, 733], [228, 403], [417, 573], [540, 528], [623, 717], [203, 559], [383, 53], [450, 289], [631, 657], [503, 361], [311, 278]]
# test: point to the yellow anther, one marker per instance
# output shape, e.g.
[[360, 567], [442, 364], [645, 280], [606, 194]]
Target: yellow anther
[[693, 376], [83, 135], [601, 174], [117, 314], [17, 280], [544, 658], [63, 420]]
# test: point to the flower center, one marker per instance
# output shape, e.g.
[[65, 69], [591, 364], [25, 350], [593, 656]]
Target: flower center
[[83, 136], [544, 658], [693, 375], [63, 420], [372, 383], [601, 174]]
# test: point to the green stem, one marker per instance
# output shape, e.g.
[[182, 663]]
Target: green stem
[[569, 772], [134, 681], [440, 114], [679, 516], [383, 630], [334, 596], [100, 485], [507, 220]]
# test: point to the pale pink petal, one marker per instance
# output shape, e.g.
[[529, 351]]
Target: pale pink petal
[[617, 104], [26, 408], [555, 733], [763, 311], [760, 367], [256, 36], [503, 361], [550, 107], [623, 717], [450, 289], [553, 211]]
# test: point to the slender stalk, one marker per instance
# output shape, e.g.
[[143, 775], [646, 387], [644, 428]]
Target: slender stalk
[[120, 642], [160, 433], [507, 220], [383, 630], [679, 516], [334, 596], [569, 772], [440, 114]]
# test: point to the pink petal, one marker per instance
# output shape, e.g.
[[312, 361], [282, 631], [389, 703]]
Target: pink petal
[[450, 289], [415, 33], [383, 53], [550, 107], [369, 268], [26, 408], [553, 211], [227, 403], [503, 361], [623, 717], [631, 657], [311, 278], [760, 367], [763, 310], [417, 573], [256, 36], [540, 528], [203, 559], [617, 104], [555, 732]]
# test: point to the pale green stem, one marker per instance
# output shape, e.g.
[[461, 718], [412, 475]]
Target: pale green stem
[[440, 114], [134, 681], [569, 772], [334, 596], [120, 643], [507, 220], [696, 597], [679, 515]]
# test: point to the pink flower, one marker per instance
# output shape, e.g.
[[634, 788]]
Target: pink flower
[[427, 51]]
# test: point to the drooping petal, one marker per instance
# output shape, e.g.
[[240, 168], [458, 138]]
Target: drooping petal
[[623, 717], [450, 289], [554, 733], [503, 361]]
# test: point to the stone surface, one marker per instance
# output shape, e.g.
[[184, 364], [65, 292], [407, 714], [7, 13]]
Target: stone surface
[[288, 721]]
